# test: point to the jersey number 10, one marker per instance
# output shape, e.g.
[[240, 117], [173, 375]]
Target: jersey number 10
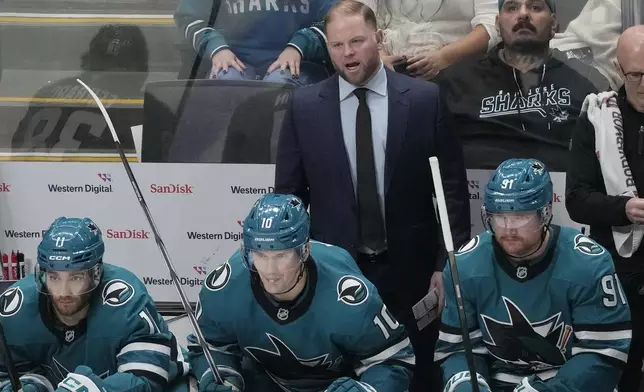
[[385, 321]]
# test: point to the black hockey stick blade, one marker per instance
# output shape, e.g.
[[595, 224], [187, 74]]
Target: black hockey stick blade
[[8, 361], [164, 252]]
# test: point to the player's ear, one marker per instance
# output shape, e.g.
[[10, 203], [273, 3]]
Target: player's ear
[[307, 251]]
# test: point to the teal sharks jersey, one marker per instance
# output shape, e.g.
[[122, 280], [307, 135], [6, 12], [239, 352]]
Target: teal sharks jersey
[[338, 327], [560, 324], [123, 339]]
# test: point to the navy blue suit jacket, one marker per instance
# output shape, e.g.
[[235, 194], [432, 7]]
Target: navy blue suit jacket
[[312, 163]]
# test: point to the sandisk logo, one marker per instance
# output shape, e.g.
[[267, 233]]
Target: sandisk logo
[[172, 188], [4, 187], [135, 234], [60, 258]]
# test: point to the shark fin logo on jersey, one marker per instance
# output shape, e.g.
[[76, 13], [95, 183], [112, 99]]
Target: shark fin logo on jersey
[[117, 292], [536, 346], [587, 246], [282, 362], [469, 246], [11, 302], [219, 278], [198, 309], [352, 291]]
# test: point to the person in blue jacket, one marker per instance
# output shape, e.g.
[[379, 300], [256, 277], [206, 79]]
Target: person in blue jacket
[[272, 40]]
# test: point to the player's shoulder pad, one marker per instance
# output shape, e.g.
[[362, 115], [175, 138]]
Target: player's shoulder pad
[[20, 299], [337, 259], [475, 257], [121, 289], [581, 254], [225, 275]]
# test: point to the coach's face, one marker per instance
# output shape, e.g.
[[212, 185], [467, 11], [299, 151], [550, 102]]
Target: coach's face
[[353, 47], [526, 26]]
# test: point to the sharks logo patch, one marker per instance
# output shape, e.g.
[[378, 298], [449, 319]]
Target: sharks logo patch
[[282, 361], [536, 346], [117, 292], [219, 277], [468, 247], [11, 302], [587, 246], [352, 291]]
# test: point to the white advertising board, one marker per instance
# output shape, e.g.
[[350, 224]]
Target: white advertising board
[[198, 209]]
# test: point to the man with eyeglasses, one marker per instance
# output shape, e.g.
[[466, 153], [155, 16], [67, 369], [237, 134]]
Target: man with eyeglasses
[[605, 178]]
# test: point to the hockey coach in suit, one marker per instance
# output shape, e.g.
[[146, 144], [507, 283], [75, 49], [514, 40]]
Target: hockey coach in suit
[[355, 148]]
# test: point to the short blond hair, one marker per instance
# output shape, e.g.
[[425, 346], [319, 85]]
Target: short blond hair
[[351, 8]]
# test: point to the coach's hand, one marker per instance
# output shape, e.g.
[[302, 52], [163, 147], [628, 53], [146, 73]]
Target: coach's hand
[[437, 283], [346, 384], [232, 381], [635, 210]]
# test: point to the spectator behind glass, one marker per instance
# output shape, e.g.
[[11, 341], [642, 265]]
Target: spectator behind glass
[[521, 100], [605, 181], [277, 41], [592, 35], [433, 34]]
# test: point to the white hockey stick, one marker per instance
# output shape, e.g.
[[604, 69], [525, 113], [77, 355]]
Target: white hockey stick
[[157, 237], [449, 246]]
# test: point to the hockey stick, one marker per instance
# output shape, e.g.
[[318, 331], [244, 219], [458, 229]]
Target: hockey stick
[[11, 367], [449, 246], [157, 237]]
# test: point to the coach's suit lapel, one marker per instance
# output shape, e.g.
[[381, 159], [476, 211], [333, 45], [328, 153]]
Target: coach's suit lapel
[[396, 124], [329, 113]]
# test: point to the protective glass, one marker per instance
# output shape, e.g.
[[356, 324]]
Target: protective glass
[[67, 283]]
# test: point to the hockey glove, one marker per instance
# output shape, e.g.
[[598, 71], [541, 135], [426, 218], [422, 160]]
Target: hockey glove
[[346, 384], [233, 381], [30, 383], [461, 382], [83, 377]]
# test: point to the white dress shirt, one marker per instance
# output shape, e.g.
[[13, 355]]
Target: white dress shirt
[[379, 109]]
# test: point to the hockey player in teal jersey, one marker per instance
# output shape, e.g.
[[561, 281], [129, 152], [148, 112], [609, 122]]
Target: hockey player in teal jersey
[[79, 324], [296, 312], [544, 307]]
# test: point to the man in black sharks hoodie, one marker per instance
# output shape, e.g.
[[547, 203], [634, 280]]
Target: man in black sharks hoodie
[[520, 100]]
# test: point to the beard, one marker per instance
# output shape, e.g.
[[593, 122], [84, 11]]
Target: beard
[[527, 44], [69, 305]]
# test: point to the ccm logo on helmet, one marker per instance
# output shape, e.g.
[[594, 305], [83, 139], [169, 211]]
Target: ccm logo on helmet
[[60, 258]]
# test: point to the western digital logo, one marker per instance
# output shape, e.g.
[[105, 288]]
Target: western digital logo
[[228, 235], [157, 281], [135, 234], [238, 190], [24, 234], [87, 188]]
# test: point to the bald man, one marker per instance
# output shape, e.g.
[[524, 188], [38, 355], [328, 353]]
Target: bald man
[[604, 180]]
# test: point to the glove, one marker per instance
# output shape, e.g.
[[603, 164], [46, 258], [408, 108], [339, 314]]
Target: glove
[[461, 382], [27, 386], [83, 377], [233, 381], [347, 384]]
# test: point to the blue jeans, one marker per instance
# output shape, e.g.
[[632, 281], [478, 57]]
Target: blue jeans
[[310, 73]]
